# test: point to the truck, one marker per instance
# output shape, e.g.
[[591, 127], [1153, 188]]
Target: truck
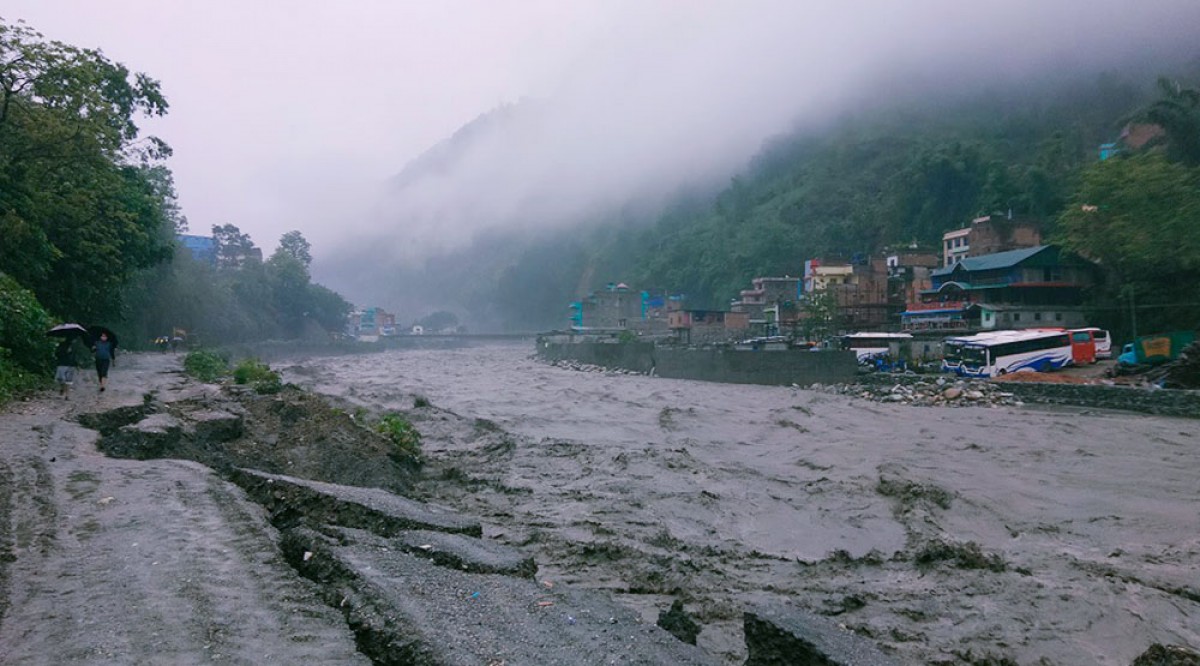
[[1155, 349]]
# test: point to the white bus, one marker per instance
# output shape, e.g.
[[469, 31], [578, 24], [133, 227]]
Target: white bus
[[952, 349], [1014, 351], [868, 345]]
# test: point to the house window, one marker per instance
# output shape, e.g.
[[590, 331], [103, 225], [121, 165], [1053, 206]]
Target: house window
[[1037, 316], [1057, 316], [1016, 316]]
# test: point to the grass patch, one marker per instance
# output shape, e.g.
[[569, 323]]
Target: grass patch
[[401, 433], [258, 375], [205, 365]]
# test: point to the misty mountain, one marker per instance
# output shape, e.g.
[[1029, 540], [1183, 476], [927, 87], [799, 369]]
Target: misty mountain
[[897, 168]]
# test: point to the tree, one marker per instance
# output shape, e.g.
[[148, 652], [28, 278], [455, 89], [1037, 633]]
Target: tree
[[819, 316], [234, 248], [293, 244], [1138, 216], [80, 210], [1177, 111]]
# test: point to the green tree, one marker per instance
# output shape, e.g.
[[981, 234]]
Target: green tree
[[233, 246], [1177, 111], [1138, 216], [294, 245], [80, 211]]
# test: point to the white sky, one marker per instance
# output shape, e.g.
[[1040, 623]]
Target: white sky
[[292, 114]]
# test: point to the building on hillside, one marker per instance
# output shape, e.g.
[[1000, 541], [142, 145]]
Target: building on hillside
[[988, 235], [955, 246], [909, 273], [202, 248], [1042, 286], [371, 322], [859, 289], [619, 307], [1134, 136], [700, 327], [770, 303]]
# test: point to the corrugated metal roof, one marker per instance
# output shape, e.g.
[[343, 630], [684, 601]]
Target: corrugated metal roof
[[989, 262]]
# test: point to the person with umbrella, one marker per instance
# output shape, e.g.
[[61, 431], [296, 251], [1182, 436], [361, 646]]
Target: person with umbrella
[[65, 360], [103, 348]]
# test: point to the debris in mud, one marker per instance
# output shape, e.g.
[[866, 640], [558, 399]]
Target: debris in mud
[[963, 555], [678, 623], [1184, 372], [1168, 655], [909, 492], [942, 392]]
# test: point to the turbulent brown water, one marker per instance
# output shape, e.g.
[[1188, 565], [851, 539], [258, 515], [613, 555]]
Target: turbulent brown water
[[948, 535]]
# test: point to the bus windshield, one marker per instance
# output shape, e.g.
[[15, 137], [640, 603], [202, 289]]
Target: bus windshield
[[975, 356], [952, 351]]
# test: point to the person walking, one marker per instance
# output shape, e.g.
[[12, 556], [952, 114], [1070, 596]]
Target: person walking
[[65, 363], [103, 350]]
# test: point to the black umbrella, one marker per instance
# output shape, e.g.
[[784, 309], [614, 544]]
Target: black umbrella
[[95, 332], [69, 330]]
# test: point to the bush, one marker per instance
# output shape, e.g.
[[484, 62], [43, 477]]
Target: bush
[[23, 326], [401, 433], [15, 381], [259, 375], [205, 365]]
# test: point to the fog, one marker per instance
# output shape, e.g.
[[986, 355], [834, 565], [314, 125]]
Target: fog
[[336, 118]]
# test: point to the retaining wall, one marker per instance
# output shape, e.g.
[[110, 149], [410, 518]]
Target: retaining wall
[[713, 365]]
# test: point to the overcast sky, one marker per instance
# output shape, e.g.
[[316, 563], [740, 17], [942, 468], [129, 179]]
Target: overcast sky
[[292, 114]]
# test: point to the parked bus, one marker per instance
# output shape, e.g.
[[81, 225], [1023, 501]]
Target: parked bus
[[1083, 346], [1015, 351], [868, 345], [1102, 339]]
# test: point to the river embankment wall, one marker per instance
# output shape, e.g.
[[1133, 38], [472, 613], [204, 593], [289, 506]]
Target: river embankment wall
[[714, 365], [1164, 402]]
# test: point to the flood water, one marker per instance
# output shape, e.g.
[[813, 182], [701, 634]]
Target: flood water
[[1014, 532]]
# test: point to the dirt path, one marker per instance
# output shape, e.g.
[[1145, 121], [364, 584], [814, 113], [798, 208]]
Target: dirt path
[[140, 562]]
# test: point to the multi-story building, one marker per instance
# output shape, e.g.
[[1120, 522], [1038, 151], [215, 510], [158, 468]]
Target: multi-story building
[[988, 235], [1024, 288]]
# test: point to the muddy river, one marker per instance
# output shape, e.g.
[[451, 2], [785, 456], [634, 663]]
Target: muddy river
[[948, 535]]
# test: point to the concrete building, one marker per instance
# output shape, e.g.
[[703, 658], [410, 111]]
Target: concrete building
[[1024, 288], [371, 322], [988, 235]]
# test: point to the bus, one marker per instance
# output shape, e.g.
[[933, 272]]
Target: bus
[[1083, 346], [1015, 351], [1102, 339], [952, 349], [869, 345]]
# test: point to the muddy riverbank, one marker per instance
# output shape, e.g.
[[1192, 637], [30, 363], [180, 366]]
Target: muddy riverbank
[[946, 534]]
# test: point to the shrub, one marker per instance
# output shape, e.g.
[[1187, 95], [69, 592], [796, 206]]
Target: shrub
[[205, 365], [401, 433], [23, 326], [259, 375]]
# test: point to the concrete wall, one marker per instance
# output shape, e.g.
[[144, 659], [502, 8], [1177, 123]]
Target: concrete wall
[[714, 365]]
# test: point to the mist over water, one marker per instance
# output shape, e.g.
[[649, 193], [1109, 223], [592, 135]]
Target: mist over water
[[667, 100]]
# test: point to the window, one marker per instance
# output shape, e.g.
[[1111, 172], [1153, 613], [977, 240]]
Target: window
[[1016, 316], [1037, 316], [1057, 316]]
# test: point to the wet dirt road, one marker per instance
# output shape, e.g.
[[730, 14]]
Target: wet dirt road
[[140, 562]]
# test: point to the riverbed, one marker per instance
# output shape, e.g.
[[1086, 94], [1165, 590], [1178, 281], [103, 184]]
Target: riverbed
[[946, 534]]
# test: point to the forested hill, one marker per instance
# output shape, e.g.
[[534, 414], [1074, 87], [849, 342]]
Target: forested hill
[[897, 174]]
